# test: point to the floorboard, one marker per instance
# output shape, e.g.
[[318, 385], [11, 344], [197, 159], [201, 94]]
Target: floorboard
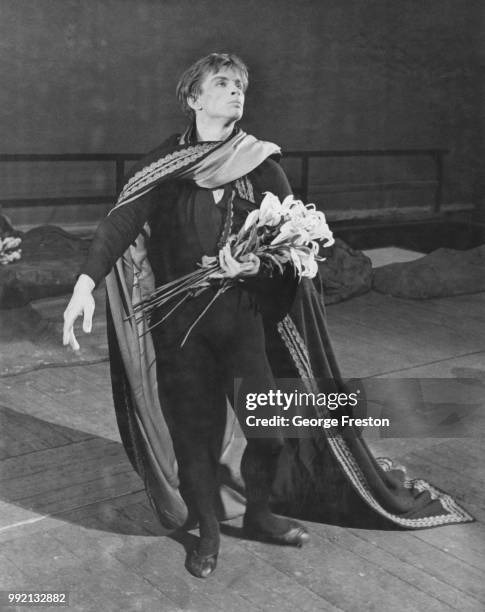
[[74, 515]]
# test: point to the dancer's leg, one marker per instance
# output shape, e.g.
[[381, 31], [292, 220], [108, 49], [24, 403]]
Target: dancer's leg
[[247, 362], [194, 405]]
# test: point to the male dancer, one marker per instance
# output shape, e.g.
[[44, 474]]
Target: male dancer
[[193, 192]]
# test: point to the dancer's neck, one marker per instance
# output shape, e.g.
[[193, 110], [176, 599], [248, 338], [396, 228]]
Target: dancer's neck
[[210, 131]]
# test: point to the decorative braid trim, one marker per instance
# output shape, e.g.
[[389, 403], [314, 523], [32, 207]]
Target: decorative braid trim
[[297, 348], [245, 189], [165, 165], [227, 227], [340, 450], [455, 514]]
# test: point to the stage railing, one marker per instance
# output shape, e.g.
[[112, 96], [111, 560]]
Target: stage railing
[[120, 159]]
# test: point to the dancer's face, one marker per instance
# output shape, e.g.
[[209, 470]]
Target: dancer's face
[[221, 97]]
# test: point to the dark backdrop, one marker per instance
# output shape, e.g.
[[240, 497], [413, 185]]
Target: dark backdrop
[[99, 76]]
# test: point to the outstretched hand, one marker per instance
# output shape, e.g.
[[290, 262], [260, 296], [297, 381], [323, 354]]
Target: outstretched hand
[[81, 303], [232, 268]]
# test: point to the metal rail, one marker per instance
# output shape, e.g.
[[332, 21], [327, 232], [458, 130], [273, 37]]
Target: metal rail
[[119, 159], [435, 154]]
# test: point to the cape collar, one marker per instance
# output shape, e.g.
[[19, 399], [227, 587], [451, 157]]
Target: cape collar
[[208, 164]]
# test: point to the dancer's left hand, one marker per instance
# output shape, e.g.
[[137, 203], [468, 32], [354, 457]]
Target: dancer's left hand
[[232, 268]]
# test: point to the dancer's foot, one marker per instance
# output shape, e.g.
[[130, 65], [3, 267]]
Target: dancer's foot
[[201, 566], [276, 530]]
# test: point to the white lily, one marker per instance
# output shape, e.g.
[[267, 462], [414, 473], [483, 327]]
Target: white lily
[[270, 210], [308, 264], [292, 232], [296, 261], [316, 225], [251, 220]]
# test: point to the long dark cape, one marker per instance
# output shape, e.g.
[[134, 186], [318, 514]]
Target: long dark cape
[[330, 476]]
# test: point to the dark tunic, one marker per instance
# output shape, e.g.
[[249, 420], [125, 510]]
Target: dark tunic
[[185, 223]]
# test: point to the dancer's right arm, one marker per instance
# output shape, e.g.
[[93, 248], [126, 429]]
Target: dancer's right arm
[[113, 236]]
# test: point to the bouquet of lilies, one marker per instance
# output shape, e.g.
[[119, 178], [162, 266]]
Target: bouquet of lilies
[[9, 249], [280, 233]]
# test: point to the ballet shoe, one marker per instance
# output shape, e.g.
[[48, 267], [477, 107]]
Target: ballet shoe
[[201, 566], [296, 535]]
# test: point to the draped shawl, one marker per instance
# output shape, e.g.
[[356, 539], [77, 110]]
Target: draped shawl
[[330, 476]]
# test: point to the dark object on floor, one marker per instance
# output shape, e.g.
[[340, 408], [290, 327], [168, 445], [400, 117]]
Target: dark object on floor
[[6, 228], [51, 258], [445, 272], [345, 273]]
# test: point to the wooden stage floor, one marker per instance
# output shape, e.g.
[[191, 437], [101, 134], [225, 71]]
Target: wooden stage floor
[[74, 516]]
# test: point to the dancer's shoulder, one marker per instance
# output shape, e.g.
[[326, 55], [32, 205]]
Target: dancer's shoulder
[[270, 176]]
